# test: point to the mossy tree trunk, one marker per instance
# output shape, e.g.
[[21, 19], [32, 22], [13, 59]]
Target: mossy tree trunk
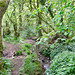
[[7, 29], [0, 48], [20, 17], [39, 21], [16, 34], [3, 7]]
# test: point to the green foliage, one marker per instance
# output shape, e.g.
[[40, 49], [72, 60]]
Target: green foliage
[[27, 45], [6, 67], [2, 3], [45, 50], [19, 52], [59, 48], [24, 48], [63, 64], [42, 2], [4, 47], [11, 39], [28, 52], [31, 66]]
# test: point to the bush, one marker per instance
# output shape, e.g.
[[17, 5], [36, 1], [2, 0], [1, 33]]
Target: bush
[[4, 47], [19, 52], [31, 66], [11, 39], [59, 48], [6, 67], [63, 64], [24, 48], [27, 45], [45, 50], [28, 52]]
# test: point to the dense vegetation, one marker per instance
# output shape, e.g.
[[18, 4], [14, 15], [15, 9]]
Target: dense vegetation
[[51, 23], [63, 64]]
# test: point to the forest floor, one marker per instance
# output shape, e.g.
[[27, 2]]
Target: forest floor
[[17, 61]]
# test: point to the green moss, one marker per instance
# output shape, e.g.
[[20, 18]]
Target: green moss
[[2, 3]]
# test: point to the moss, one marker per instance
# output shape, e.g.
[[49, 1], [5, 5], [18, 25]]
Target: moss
[[2, 3]]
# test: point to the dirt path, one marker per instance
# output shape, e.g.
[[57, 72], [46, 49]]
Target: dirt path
[[16, 62]]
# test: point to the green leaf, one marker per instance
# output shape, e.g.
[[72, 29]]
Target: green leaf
[[65, 33], [67, 41], [52, 46]]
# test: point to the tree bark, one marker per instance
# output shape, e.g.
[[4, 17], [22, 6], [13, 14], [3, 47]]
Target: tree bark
[[7, 29], [16, 34], [20, 17], [39, 20], [0, 47], [3, 7]]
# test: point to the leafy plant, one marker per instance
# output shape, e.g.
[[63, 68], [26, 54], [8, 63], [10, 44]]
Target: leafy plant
[[4, 47], [59, 48], [45, 50], [27, 45], [28, 52], [24, 48], [6, 67], [51, 52], [63, 64], [19, 52], [11, 39], [31, 66]]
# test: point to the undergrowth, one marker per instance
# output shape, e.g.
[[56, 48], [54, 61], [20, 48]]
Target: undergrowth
[[11, 39], [58, 48], [63, 64], [6, 67], [30, 66]]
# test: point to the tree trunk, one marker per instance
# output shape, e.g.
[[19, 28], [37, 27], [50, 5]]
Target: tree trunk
[[7, 29], [3, 7], [39, 20], [20, 17], [15, 23], [0, 47]]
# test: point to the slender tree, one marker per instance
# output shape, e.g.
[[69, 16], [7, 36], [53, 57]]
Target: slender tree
[[39, 20], [20, 17]]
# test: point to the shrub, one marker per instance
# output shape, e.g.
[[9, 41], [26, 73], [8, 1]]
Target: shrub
[[11, 39], [6, 67], [24, 48], [63, 64], [28, 52], [60, 48], [31, 66], [4, 47], [19, 52], [27, 45], [45, 50]]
